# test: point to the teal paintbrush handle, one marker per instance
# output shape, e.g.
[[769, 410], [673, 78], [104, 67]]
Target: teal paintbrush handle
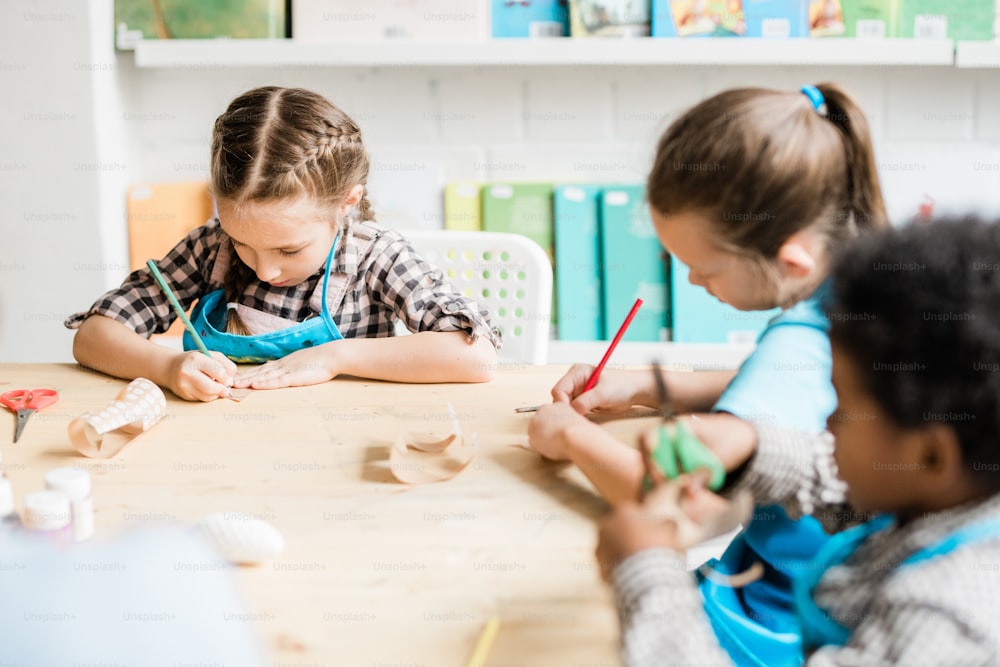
[[176, 305]]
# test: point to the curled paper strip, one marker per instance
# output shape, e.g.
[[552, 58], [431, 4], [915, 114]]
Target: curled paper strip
[[419, 458], [664, 502], [136, 409]]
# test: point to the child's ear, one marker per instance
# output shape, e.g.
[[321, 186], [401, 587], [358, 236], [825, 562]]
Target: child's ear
[[353, 197], [795, 257], [941, 455]]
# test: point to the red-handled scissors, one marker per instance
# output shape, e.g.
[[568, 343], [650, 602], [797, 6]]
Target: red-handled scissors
[[25, 402]]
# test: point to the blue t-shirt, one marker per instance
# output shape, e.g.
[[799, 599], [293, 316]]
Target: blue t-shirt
[[785, 380]]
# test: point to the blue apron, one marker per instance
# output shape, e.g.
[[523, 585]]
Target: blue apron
[[209, 320], [818, 628], [757, 624]]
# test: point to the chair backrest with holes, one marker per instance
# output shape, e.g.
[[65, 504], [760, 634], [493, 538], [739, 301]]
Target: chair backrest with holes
[[509, 274]]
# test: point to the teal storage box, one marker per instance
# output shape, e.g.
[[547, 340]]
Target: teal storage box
[[966, 20], [540, 18], [698, 317], [633, 266], [578, 262]]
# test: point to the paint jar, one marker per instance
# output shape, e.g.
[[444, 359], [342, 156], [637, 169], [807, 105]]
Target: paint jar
[[75, 484], [49, 513], [9, 519]]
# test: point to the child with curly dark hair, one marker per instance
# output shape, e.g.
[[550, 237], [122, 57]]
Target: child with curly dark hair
[[910, 487]]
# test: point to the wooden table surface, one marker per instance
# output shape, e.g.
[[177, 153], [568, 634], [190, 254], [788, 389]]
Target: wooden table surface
[[374, 572]]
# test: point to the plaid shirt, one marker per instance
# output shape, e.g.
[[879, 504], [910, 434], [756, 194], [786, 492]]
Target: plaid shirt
[[945, 611], [376, 278]]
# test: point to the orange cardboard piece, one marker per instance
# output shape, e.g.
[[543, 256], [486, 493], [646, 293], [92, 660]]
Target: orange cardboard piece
[[136, 409], [159, 216]]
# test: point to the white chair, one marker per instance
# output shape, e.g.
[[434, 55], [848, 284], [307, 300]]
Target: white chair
[[509, 274]]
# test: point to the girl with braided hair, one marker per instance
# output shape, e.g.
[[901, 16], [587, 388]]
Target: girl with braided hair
[[292, 273]]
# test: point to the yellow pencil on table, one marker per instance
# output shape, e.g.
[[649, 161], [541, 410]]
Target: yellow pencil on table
[[176, 305], [484, 643]]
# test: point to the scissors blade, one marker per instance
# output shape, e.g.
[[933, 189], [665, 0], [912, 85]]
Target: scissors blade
[[22, 419], [662, 395]]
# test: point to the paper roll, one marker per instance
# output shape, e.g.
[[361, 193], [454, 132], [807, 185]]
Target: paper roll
[[135, 410]]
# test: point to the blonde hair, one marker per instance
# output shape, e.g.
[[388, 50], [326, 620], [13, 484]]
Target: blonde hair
[[765, 164], [276, 143]]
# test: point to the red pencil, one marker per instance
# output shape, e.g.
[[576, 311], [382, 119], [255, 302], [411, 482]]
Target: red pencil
[[596, 375]]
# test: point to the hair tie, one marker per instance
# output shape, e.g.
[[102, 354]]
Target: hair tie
[[816, 98], [232, 306]]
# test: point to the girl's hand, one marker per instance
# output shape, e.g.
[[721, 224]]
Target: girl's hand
[[311, 365], [196, 377], [615, 391], [547, 430]]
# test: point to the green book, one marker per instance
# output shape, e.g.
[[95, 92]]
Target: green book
[[526, 209], [968, 20], [522, 208], [633, 266], [137, 20], [871, 19], [462, 207], [578, 262]]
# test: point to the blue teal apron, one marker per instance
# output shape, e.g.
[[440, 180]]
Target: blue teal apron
[[209, 320], [757, 624], [818, 628]]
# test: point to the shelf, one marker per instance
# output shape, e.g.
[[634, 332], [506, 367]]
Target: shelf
[[207, 54], [977, 54]]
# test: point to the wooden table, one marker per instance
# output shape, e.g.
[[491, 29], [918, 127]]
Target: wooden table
[[374, 572]]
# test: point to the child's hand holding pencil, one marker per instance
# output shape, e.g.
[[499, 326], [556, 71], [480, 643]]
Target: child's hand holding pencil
[[195, 377]]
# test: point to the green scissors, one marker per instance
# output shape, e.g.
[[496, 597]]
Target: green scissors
[[677, 449]]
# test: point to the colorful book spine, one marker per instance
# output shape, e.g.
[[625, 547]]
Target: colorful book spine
[[522, 208], [539, 18], [462, 206], [609, 18], [871, 19], [969, 20], [826, 18], [578, 262], [776, 19], [633, 266]]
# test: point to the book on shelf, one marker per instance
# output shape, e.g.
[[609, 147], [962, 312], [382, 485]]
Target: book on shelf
[[633, 265], [826, 18], [609, 18], [534, 18], [871, 19], [388, 20], [969, 20], [462, 206], [698, 317], [578, 271], [137, 20]]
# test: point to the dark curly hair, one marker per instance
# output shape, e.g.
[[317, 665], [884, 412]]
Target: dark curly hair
[[918, 311]]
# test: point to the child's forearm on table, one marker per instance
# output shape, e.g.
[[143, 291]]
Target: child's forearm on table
[[428, 356], [697, 391], [613, 467], [110, 347]]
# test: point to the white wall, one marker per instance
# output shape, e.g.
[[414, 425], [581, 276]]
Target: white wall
[[81, 122]]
